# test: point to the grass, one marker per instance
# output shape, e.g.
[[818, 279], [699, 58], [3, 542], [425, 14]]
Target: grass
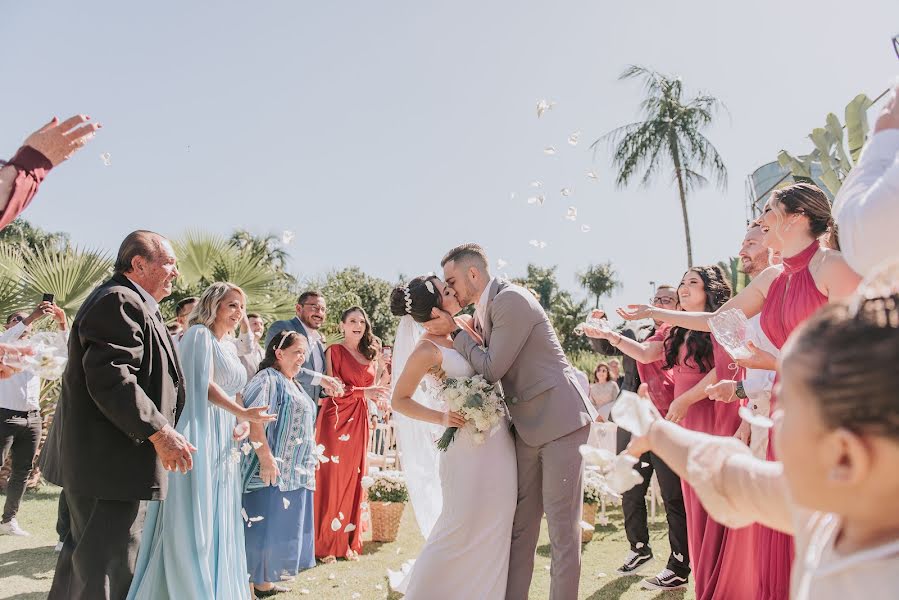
[[26, 564]]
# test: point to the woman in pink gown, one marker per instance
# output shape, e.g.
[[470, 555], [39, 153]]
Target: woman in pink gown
[[794, 220], [721, 558]]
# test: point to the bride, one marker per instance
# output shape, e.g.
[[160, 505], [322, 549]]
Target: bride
[[467, 551]]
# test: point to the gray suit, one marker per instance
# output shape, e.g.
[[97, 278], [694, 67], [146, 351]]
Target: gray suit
[[308, 372], [551, 416]]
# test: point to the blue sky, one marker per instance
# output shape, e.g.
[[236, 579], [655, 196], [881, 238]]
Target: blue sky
[[383, 133]]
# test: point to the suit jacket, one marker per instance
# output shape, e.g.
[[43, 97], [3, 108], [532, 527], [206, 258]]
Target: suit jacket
[[122, 383], [523, 352], [308, 372]]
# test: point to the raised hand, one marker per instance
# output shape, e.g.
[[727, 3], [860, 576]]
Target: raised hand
[[11, 359], [258, 414], [758, 359], [59, 141], [441, 323], [173, 449], [634, 312], [332, 386], [723, 391]]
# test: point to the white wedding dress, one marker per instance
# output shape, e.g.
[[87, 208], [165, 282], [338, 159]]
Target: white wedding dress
[[467, 552]]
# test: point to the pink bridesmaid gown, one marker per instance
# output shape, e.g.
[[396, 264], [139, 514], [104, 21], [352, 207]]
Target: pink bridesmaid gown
[[792, 298], [721, 558]]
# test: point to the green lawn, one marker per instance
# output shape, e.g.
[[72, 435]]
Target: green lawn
[[26, 564]]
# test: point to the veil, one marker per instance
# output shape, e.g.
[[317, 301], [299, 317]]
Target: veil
[[416, 439]]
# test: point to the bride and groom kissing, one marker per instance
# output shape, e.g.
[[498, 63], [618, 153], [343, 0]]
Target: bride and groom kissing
[[495, 493]]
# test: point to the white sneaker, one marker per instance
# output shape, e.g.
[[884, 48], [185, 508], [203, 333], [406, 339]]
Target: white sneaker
[[58, 547], [12, 528]]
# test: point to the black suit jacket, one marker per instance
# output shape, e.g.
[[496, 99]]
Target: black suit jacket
[[122, 383]]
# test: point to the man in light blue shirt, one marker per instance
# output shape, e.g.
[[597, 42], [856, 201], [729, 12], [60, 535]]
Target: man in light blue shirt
[[311, 311]]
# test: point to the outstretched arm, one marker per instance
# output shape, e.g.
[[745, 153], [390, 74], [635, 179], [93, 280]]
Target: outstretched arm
[[423, 358], [512, 324]]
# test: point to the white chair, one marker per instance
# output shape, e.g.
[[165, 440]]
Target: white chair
[[382, 447]]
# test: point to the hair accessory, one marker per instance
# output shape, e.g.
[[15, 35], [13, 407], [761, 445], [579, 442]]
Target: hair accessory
[[287, 334], [430, 286], [408, 299]]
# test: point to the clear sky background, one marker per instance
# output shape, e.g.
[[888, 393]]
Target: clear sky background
[[385, 132]]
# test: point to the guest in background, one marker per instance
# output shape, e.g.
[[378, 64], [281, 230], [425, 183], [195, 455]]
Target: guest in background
[[193, 543], [183, 309], [122, 388], [251, 353], [656, 384], [617, 376], [603, 392], [867, 206], [44, 149], [311, 312], [20, 415], [342, 429], [755, 387], [279, 477], [721, 558]]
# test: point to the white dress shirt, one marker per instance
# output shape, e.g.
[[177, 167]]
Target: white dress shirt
[[867, 207], [758, 383], [480, 309], [249, 352], [152, 304], [318, 359], [22, 391]]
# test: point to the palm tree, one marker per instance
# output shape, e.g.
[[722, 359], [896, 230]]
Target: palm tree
[[671, 131], [599, 280]]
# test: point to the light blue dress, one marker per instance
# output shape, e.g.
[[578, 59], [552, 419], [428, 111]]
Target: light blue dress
[[193, 541]]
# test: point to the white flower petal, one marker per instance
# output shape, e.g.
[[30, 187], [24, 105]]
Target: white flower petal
[[243, 513], [346, 437], [340, 514], [501, 264], [753, 419], [335, 525], [565, 192], [256, 445], [573, 138], [592, 175], [350, 527], [335, 459], [286, 503], [571, 213], [245, 448], [538, 200], [106, 158], [256, 519], [585, 228], [287, 237], [549, 150]]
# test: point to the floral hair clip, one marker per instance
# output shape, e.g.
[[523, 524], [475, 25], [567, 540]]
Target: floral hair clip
[[408, 299]]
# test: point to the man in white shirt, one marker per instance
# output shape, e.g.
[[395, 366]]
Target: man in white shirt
[[755, 388], [20, 415], [249, 349], [867, 207]]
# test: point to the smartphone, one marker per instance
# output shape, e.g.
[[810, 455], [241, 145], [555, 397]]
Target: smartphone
[[47, 298]]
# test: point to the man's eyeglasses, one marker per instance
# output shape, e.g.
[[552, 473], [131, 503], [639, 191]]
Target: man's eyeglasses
[[664, 301], [316, 308]]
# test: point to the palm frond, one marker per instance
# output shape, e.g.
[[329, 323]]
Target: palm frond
[[198, 253], [70, 275]]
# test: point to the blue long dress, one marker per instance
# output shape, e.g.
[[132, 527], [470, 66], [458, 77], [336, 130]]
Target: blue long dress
[[193, 541]]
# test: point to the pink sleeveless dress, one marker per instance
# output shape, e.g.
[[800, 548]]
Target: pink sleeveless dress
[[792, 298], [721, 558]]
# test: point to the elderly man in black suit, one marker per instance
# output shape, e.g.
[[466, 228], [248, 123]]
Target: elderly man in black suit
[[113, 436]]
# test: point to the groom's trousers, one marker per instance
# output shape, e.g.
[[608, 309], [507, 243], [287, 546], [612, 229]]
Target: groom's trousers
[[551, 481]]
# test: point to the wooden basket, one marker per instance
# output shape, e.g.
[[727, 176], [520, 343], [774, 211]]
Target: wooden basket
[[385, 520], [589, 517]]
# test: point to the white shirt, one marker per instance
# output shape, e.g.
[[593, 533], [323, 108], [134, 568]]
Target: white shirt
[[480, 309], [758, 383], [22, 391], [250, 352], [152, 304], [867, 207], [318, 359]]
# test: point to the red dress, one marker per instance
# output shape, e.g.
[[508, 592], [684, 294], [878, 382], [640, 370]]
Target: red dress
[[721, 558], [338, 482], [792, 298]]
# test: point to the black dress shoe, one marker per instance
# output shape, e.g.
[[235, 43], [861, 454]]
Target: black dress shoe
[[277, 589]]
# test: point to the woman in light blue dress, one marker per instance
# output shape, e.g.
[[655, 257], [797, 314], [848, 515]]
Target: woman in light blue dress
[[193, 542]]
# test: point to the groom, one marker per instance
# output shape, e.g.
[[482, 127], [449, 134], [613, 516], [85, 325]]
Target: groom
[[550, 413]]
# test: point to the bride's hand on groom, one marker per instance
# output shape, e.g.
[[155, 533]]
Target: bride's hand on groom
[[452, 419], [441, 323]]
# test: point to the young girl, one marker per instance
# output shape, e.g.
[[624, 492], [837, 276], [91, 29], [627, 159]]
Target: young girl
[[838, 438]]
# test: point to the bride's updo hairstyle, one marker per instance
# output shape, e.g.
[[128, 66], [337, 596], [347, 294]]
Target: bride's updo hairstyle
[[416, 299]]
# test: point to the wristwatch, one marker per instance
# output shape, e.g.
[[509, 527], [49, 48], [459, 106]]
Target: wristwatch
[[457, 331], [739, 392]]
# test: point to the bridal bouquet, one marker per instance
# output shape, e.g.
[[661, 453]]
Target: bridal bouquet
[[480, 402]]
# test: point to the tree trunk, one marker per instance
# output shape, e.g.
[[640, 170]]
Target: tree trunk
[[675, 158]]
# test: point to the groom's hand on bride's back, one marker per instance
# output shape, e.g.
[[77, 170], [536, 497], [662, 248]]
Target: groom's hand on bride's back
[[441, 323]]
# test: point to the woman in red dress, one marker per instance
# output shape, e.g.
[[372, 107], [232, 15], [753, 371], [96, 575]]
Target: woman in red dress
[[342, 428], [720, 557], [795, 219]]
